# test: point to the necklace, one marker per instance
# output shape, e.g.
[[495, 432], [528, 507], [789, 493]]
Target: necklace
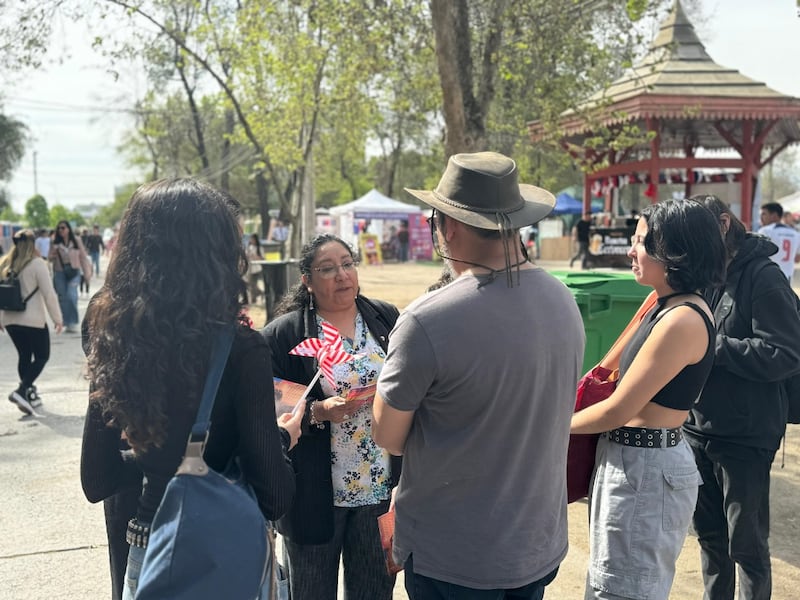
[[663, 299]]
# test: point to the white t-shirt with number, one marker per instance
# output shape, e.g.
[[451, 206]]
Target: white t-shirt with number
[[788, 241]]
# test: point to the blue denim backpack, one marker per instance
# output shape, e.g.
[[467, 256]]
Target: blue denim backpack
[[208, 539]]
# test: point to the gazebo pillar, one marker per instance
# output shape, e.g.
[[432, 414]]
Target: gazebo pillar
[[655, 158], [687, 186], [749, 172]]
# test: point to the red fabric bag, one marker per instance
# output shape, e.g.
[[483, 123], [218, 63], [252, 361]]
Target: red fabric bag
[[598, 384], [593, 387]]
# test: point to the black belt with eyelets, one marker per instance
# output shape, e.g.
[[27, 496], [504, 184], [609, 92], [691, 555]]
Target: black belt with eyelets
[[137, 535], [643, 437]]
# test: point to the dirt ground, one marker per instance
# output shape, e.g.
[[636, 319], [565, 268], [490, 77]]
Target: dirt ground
[[401, 283]]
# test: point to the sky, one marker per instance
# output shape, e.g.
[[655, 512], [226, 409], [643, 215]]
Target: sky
[[72, 107]]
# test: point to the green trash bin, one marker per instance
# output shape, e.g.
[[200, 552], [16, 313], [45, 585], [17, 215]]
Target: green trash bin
[[607, 301]]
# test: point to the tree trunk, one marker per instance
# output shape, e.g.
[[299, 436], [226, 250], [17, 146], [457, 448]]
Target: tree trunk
[[225, 177], [444, 14], [263, 203], [465, 111]]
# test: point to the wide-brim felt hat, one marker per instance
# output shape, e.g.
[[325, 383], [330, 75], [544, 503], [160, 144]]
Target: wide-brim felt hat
[[481, 189]]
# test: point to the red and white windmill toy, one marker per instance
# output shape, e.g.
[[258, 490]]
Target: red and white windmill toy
[[328, 351]]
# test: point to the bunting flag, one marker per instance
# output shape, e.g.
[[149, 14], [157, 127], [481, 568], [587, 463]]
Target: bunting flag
[[328, 351], [602, 185]]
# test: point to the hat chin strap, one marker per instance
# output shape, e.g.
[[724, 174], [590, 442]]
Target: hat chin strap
[[506, 233]]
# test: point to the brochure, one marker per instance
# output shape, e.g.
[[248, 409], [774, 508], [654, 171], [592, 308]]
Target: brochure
[[287, 395], [361, 395]]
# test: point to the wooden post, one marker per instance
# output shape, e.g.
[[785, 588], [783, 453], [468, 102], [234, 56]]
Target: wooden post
[[747, 173], [655, 148]]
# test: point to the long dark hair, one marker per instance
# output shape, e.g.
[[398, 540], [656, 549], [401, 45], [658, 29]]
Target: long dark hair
[[59, 239], [298, 297], [736, 233], [176, 273]]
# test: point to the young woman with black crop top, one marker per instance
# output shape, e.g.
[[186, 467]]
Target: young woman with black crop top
[[645, 482]]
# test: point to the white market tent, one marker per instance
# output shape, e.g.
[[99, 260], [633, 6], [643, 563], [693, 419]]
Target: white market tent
[[373, 206]]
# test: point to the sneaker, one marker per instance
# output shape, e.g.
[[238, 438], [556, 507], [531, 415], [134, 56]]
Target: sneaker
[[18, 398], [33, 397], [71, 329]]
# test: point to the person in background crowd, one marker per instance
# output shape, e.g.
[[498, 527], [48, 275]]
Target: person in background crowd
[[402, 241], [474, 519], [253, 252], [149, 335], [645, 483], [737, 424], [43, 243], [580, 235], [67, 253], [344, 480], [94, 244], [786, 238], [28, 329]]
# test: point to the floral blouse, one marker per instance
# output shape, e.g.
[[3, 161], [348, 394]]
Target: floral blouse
[[360, 469]]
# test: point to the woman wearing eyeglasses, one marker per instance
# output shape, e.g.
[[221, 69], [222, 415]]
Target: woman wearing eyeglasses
[[344, 480], [68, 257]]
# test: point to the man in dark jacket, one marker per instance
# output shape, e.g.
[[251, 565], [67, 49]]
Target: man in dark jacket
[[737, 423]]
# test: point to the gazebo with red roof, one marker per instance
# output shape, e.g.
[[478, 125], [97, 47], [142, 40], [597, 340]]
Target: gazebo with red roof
[[686, 102]]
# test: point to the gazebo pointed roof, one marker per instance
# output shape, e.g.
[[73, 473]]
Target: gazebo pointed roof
[[686, 104], [678, 64], [677, 80]]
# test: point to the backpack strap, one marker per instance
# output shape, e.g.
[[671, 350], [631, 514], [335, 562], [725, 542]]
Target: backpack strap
[[219, 356]]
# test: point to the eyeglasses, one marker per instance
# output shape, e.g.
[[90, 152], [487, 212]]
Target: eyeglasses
[[330, 271]]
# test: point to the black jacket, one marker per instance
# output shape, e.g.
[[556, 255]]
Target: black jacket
[[758, 346], [310, 519]]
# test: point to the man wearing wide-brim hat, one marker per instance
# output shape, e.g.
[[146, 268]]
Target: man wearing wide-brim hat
[[477, 393]]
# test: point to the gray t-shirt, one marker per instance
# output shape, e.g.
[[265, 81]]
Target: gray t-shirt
[[491, 373]]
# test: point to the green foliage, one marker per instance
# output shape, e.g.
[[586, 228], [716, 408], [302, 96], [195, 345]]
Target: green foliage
[[8, 214], [36, 212], [13, 137], [636, 9], [59, 212], [344, 96], [110, 215]]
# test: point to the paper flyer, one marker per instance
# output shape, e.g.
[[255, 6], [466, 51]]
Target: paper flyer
[[361, 395], [287, 395]]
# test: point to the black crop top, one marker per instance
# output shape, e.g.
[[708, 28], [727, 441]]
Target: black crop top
[[681, 391]]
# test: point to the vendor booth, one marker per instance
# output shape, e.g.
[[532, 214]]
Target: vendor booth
[[377, 218]]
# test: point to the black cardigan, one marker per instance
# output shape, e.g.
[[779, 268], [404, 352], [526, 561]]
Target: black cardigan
[[310, 519]]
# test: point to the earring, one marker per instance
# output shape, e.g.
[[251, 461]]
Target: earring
[[310, 300]]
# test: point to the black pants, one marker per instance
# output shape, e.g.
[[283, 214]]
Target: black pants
[[314, 569], [583, 251], [33, 349], [732, 520], [119, 509]]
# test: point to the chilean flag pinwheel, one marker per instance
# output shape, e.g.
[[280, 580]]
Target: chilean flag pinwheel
[[328, 352]]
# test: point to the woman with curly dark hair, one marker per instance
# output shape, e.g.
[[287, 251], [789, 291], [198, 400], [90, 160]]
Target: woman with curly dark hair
[[645, 481], [344, 480], [175, 278]]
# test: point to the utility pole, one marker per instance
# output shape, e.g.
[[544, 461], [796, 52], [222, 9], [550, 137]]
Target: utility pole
[[35, 176]]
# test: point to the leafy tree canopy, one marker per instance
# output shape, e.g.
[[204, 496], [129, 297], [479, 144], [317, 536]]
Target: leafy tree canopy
[[36, 212]]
